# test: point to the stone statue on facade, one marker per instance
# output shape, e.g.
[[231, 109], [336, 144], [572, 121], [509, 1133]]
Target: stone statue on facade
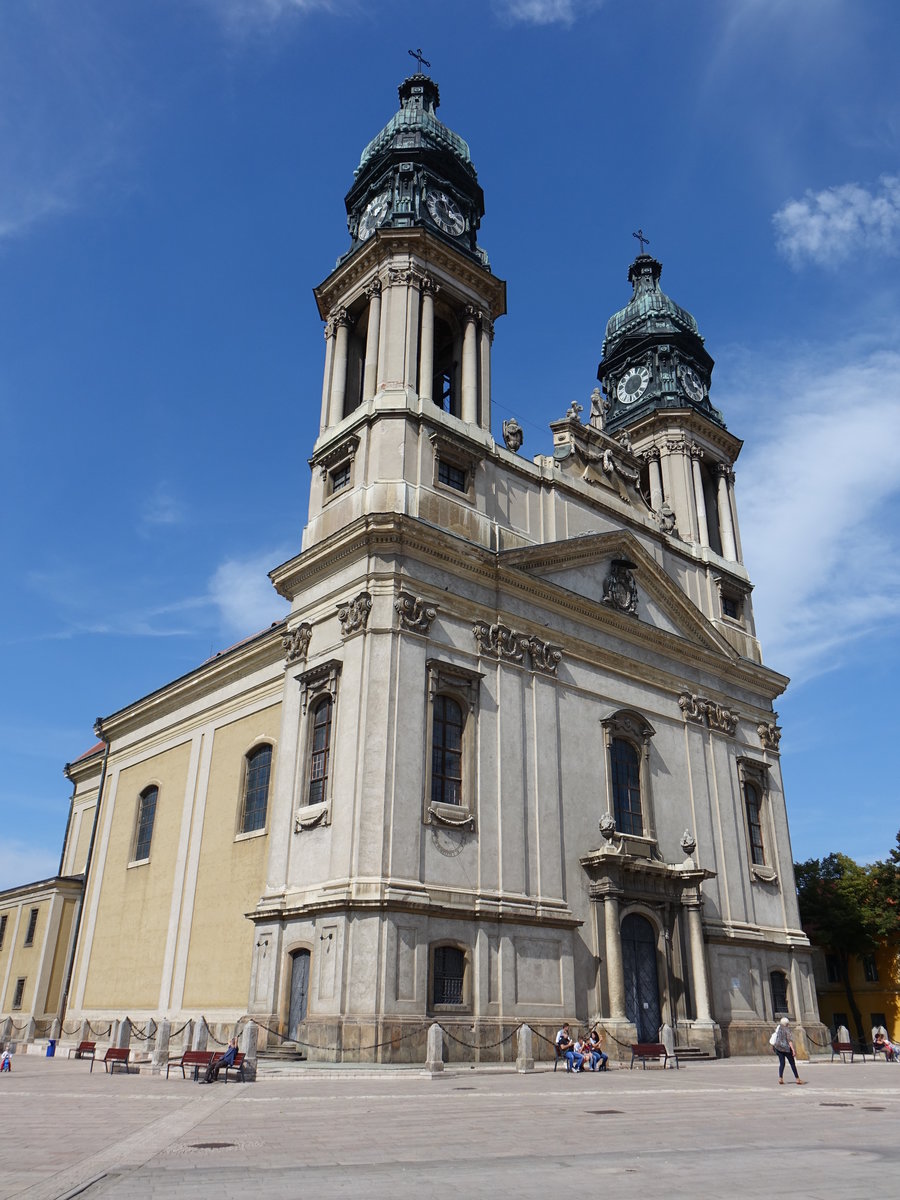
[[513, 435]]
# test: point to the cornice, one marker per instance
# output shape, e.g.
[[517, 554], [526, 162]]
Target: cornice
[[42, 889], [686, 419], [265, 649], [420, 244]]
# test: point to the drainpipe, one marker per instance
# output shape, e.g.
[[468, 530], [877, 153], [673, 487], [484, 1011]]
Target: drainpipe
[[98, 729]]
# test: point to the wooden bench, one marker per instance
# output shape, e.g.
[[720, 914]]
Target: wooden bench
[[115, 1056], [645, 1050], [237, 1066], [83, 1050], [842, 1048], [191, 1058]]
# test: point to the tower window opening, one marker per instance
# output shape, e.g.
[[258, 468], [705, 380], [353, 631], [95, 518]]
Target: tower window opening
[[452, 476], [340, 477], [445, 382]]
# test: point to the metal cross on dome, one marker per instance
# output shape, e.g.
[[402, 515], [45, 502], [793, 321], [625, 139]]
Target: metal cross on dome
[[417, 55], [639, 235]]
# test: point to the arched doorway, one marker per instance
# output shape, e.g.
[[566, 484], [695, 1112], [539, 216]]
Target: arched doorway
[[641, 979], [299, 990]]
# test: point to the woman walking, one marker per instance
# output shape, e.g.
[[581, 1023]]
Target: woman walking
[[783, 1046]]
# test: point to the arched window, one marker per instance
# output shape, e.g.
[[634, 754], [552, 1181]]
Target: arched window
[[146, 815], [778, 984], [256, 789], [625, 765], [446, 751], [753, 805], [320, 751], [448, 975]]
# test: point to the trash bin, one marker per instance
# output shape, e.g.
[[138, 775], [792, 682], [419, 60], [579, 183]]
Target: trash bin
[[51, 1047]]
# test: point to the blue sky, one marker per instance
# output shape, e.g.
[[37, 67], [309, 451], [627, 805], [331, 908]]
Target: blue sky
[[173, 179]]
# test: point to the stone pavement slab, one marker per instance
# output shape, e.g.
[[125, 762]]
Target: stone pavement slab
[[707, 1130]]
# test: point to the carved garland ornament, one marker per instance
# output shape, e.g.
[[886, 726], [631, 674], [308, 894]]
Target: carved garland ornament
[[414, 613], [499, 641], [354, 614], [296, 642], [707, 712]]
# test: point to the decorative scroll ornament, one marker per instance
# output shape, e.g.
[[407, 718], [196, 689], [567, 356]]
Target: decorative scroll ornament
[[544, 657], [414, 613], [619, 589], [354, 614], [769, 733], [513, 435], [502, 642], [296, 642], [707, 712]]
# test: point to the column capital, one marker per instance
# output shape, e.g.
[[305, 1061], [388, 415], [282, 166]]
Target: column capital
[[725, 471], [676, 446], [651, 455], [428, 286], [696, 451], [336, 318], [374, 289]]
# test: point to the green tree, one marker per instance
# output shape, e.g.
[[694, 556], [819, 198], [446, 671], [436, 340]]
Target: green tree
[[850, 910]]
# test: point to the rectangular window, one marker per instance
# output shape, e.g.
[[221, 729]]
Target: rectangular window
[[146, 818], [731, 608], [832, 968], [870, 970], [449, 974], [754, 824], [19, 993], [32, 926], [878, 1020], [340, 477], [838, 1020], [452, 476], [778, 982], [3, 921]]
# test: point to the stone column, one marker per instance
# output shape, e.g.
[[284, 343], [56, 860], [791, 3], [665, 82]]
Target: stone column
[[487, 338], [615, 976], [679, 487], [656, 488], [160, 1054], [726, 525], [699, 498], [524, 1051], [326, 378], [469, 404], [698, 962], [426, 342], [341, 322], [373, 333], [434, 1053], [249, 1043]]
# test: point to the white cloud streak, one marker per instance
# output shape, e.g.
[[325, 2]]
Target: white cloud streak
[[21, 862], [543, 12], [243, 594], [819, 500], [830, 226]]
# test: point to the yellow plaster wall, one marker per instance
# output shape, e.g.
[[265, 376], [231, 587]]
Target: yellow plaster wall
[[75, 865], [231, 872], [60, 957], [128, 946], [26, 960]]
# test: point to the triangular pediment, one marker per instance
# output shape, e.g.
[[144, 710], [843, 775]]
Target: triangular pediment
[[598, 569]]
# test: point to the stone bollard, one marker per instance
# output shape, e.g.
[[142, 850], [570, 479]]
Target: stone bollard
[[524, 1049], [5, 1029], [187, 1035], [30, 1030], [249, 1044], [85, 1034], [201, 1035], [667, 1037], [123, 1033], [434, 1053], [160, 1055], [113, 1033], [56, 1030]]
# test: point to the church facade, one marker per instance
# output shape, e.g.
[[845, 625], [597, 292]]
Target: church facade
[[513, 755]]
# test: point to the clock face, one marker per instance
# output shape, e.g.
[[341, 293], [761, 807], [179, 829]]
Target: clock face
[[446, 213], [373, 215], [633, 384], [692, 383]]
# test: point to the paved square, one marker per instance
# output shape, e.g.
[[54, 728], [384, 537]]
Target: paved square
[[709, 1130]]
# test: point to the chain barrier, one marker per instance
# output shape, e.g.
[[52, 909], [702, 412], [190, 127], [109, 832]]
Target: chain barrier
[[69, 1032], [479, 1045], [146, 1035], [13, 1025], [210, 1033], [100, 1032], [175, 1032], [341, 1049]]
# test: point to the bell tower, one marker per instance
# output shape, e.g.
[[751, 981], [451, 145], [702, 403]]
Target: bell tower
[[409, 309], [655, 375]]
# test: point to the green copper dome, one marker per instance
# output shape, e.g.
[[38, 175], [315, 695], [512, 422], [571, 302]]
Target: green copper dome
[[416, 126], [650, 310]]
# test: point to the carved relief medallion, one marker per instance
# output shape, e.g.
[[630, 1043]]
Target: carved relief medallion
[[619, 588]]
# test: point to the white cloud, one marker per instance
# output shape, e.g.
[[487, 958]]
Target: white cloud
[[161, 508], [819, 501], [245, 15], [244, 596], [544, 12], [830, 226], [21, 862]]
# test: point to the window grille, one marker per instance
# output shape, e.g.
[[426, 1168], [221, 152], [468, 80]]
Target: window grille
[[753, 806], [146, 817], [778, 981], [256, 795], [449, 975], [446, 752], [452, 476], [626, 786], [320, 752]]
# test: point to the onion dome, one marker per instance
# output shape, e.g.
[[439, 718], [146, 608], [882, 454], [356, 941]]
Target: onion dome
[[650, 310], [415, 125]]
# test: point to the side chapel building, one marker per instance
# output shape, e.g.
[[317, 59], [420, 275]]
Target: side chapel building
[[511, 757]]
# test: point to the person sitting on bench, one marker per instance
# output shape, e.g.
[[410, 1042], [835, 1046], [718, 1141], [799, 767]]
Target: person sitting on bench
[[212, 1071], [882, 1043], [595, 1045]]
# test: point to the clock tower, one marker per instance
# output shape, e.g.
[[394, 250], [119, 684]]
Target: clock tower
[[655, 375]]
